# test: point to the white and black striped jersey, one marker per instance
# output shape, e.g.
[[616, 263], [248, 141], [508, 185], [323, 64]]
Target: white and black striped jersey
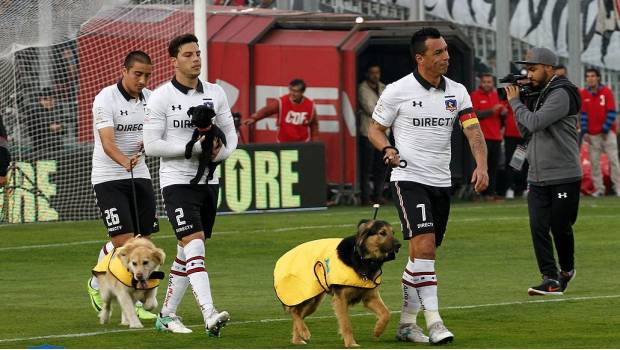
[[167, 129], [422, 118], [115, 108]]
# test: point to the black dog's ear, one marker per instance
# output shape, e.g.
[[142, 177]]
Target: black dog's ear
[[190, 111]]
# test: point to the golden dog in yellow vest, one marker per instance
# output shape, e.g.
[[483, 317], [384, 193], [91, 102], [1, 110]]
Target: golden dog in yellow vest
[[129, 274], [349, 269]]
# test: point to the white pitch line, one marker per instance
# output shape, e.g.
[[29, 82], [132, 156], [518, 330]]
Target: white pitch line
[[270, 320], [283, 229]]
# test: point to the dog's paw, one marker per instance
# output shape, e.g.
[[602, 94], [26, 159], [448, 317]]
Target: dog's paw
[[136, 325], [104, 317], [298, 342], [353, 345]]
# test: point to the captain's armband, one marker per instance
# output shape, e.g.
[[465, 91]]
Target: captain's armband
[[468, 117]]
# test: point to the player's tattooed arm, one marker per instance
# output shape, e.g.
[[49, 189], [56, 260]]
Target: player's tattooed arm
[[476, 143], [480, 177]]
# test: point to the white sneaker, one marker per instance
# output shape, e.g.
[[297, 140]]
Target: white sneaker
[[439, 334], [597, 194], [216, 321], [410, 332], [171, 323], [510, 194]]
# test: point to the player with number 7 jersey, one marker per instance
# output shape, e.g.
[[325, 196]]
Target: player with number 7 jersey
[[422, 109]]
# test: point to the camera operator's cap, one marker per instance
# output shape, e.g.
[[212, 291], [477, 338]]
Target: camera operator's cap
[[540, 55]]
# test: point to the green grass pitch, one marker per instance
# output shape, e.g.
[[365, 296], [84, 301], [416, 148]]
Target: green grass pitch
[[484, 268]]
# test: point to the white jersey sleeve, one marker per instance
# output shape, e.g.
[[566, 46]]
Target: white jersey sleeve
[[155, 122], [386, 109], [465, 106], [102, 113]]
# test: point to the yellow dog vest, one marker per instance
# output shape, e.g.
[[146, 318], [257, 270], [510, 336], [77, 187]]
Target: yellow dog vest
[[112, 263], [311, 268]]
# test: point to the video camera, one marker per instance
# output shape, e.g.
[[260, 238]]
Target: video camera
[[525, 89]]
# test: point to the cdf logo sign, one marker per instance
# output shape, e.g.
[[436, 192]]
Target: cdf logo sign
[[325, 98]]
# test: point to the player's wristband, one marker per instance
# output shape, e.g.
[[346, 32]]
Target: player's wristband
[[389, 147]]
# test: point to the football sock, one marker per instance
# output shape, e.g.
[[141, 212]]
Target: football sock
[[198, 276], [411, 301], [425, 283], [107, 248], [177, 284]]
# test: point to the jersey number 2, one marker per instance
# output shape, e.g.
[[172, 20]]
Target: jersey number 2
[[179, 216]]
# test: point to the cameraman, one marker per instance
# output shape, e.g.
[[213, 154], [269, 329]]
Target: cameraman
[[550, 129]]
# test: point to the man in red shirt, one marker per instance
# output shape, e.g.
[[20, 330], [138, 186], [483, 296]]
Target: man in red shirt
[[598, 126], [488, 109], [297, 120]]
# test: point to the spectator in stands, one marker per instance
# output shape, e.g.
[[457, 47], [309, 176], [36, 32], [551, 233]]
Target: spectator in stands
[[489, 109], [67, 75], [66, 87], [560, 71], [5, 156], [297, 120], [516, 181], [599, 128], [44, 125], [370, 158]]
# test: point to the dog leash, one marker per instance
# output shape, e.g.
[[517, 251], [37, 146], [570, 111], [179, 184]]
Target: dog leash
[[386, 176], [133, 196]]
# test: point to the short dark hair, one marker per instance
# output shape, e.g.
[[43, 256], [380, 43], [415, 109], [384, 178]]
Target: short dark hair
[[298, 82], [418, 40], [485, 75], [560, 66], [176, 43], [136, 56], [371, 65], [593, 70]]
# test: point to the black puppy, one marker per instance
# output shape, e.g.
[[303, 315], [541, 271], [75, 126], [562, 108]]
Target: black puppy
[[202, 118]]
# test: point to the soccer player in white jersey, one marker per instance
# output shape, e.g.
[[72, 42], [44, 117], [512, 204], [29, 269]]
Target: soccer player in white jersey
[[118, 115], [190, 208], [421, 108]]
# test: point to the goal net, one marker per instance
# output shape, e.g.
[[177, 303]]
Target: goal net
[[55, 56]]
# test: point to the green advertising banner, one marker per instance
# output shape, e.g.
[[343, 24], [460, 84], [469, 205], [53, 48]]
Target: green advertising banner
[[257, 177]]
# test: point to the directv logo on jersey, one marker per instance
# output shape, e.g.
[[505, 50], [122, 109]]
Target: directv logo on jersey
[[432, 121], [182, 124], [129, 127], [451, 105]]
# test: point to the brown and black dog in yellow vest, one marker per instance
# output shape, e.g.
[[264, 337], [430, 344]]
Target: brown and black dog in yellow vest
[[349, 269], [130, 273]]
